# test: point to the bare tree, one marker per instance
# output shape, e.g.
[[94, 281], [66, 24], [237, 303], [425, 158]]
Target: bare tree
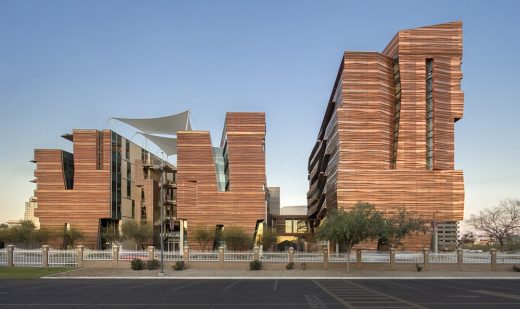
[[499, 223]]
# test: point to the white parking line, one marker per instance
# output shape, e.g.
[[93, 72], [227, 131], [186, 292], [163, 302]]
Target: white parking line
[[183, 286], [231, 285], [275, 285]]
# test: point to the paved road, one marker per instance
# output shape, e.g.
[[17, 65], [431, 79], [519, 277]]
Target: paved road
[[270, 293]]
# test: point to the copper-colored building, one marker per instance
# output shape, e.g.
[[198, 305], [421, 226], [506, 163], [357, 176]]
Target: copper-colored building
[[224, 186], [387, 136], [106, 180]]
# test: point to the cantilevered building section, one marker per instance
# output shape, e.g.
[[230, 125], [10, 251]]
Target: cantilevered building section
[[220, 187], [387, 136]]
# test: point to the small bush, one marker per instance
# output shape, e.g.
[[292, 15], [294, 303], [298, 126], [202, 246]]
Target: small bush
[[419, 267], [289, 266], [255, 265], [179, 265], [516, 268], [304, 265], [153, 264], [137, 264]]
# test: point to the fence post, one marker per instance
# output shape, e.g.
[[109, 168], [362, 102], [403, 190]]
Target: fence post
[[325, 257], [426, 259], [291, 255], [151, 253], [186, 256], [493, 253], [460, 259], [45, 256], [358, 258], [221, 256], [392, 258], [115, 256], [10, 255], [79, 252]]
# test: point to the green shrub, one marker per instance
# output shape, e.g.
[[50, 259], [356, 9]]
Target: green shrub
[[289, 266], [255, 265], [516, 268], [152, 264], [419, 267], [179, 265], [137, 264]]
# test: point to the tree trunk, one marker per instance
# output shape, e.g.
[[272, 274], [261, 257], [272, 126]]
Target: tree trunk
[[349, 250]]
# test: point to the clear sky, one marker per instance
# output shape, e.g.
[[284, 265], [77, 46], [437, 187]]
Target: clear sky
[[73, 64]]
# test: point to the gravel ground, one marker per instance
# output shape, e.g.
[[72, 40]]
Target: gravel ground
[[194, 273]]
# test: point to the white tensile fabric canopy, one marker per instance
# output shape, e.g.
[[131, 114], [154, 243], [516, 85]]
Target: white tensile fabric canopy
[[167, 144], [162, 125]]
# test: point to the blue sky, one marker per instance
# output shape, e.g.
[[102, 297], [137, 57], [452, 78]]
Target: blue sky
[[74, 64]]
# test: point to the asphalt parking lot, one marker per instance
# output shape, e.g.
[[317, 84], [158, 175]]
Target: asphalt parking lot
[[266, 293]]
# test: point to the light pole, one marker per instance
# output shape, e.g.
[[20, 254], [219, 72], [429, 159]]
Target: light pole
[[161, 202]]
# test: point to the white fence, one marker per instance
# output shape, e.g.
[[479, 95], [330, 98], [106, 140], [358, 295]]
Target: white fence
[[69, 258], [28, 258], [274, 257], [476, 258], [308, 257], [169, 256], [342, 258], [97, 255], [63, 258], [3, 257], [508, 258], [127, 255], [443, 258], [203, 256], [238, 256], [375, 257], [409, 258]]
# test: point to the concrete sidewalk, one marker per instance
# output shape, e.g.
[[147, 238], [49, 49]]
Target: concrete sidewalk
[[278, 274]]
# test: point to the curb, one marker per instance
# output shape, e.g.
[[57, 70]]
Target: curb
[[285, 278]]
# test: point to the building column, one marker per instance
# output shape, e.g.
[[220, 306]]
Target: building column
[[426, 259], [291, 255], [460, 259], [151, 253], [221, 256], [181, 235], [325, 258], [79, 251], [186, 256], [10, 255], [392, 258], [115, 256], [493, 253], [358, 258], [45, 256]]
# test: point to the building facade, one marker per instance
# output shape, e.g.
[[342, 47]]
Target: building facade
[[105, 181], [28, 214], [224, 186], [387, 136]]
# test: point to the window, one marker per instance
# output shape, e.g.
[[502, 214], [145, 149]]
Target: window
[[116, 175], [127, 149], [429, 114], [99, 151], [288, 225], [397, 113]]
